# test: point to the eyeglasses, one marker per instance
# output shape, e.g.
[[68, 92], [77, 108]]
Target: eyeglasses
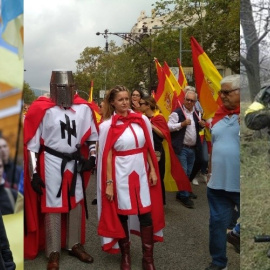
[[190, 100], [141, 103], [227, 92], [136, 95]]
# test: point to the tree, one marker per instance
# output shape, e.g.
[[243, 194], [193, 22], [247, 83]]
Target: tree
[[214, 23], [28, 94], [127, 66], [253, 35]]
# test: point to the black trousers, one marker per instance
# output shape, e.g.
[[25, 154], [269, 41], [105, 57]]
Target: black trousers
[[145, 219]]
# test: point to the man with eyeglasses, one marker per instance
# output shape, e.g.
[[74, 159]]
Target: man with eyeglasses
[[184, 124], [223, 188]]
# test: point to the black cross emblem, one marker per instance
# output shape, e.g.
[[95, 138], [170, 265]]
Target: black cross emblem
[[70, 131]]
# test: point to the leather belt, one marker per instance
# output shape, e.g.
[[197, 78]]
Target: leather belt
[[189, 146]]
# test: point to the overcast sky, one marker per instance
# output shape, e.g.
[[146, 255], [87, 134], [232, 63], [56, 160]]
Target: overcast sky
[[57, 31]]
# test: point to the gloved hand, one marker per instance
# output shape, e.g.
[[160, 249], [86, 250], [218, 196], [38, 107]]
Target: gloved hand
[[37, 184], [88, 164]]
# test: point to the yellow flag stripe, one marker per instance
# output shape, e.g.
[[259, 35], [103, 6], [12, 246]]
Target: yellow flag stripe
[[11, 73]]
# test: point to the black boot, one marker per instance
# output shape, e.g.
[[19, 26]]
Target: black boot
[[125, 249], [147, 247]]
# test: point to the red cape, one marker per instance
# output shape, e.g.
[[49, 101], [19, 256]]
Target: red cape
[[222, 112], [177, 170], [34, 239], [109, 223]]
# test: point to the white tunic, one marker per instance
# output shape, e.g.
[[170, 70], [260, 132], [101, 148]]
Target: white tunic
[[62, 130], [132, 192], [132, 187]]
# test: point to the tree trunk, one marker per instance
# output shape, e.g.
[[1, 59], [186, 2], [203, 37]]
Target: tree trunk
[[251, 61]]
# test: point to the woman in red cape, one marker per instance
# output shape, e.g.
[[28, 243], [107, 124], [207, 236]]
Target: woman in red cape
[[128, 180]]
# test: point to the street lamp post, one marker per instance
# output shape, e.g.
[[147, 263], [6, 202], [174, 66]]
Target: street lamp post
[[125, 36], [180, 39], [128, 37]]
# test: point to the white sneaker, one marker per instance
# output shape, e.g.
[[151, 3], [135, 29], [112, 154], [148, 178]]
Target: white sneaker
[[195, 182]]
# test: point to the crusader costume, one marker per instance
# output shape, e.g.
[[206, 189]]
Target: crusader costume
[[57, 129], [130, 139]]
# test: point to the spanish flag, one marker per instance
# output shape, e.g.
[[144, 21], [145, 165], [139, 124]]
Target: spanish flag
[[95, 106], [166, 93], [181, 76], [172, 78], [179, 91], [175, 178], [158, 68], [207, 80]]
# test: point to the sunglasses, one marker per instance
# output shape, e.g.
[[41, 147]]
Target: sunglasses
[[227, 92], [136, 95], [141, 103], [190, 100]]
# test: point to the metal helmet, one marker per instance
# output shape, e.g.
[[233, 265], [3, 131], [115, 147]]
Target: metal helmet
[[62, 87]]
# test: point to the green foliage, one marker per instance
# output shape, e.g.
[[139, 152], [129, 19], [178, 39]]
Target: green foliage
[[216, 28], [28, 94], [126, 66], [214, 23]]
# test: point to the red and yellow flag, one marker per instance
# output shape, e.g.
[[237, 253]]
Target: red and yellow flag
[[159, 69], [207, 80], [172, 78], [181, 76], [95, 106], [165, 92], [179, 90], [175, 178]]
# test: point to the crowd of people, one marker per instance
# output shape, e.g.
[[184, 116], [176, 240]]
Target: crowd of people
[[64, 143]]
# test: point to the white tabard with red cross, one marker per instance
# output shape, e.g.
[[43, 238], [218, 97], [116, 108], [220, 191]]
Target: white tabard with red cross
[[61, 130]]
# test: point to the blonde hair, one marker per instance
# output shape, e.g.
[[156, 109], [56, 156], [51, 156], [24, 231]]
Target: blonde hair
[[110, 96]]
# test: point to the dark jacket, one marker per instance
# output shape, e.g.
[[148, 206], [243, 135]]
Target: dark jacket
[[178, 135], [12, 173], [6, 258], [8, 197]]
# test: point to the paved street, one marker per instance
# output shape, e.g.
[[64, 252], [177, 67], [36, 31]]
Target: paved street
[[185, 243]]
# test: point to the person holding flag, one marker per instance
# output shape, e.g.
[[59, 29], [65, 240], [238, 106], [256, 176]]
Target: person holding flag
[[185, 123]]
